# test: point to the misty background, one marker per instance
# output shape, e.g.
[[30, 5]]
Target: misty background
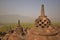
[[28, 10]]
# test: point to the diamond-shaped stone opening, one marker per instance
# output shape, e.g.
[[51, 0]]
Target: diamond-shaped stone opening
[[45, 24], [39, 24], [42, 22], [36, 26], [42, 26]]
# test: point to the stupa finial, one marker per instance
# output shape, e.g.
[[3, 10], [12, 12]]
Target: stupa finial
[[42, 9], [18, 22]]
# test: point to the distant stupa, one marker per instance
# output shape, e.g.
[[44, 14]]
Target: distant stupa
[[19, 28], [19, 23], [18, 33], [42, 29]]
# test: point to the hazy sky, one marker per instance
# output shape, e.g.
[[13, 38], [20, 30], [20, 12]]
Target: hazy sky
[[30, 8]]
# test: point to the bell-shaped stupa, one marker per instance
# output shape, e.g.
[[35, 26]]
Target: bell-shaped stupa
[[42, 29]]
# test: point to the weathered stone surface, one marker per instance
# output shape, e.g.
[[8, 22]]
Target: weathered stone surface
[[14, 36], [6, 37], [43, 34]]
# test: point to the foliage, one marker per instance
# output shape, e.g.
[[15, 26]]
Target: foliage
[[24, 25]]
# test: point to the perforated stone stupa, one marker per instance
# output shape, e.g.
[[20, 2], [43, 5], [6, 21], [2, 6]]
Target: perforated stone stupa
[[42, 29]]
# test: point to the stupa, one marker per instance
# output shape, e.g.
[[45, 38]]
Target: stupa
[[18, 33], [42, 29]]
